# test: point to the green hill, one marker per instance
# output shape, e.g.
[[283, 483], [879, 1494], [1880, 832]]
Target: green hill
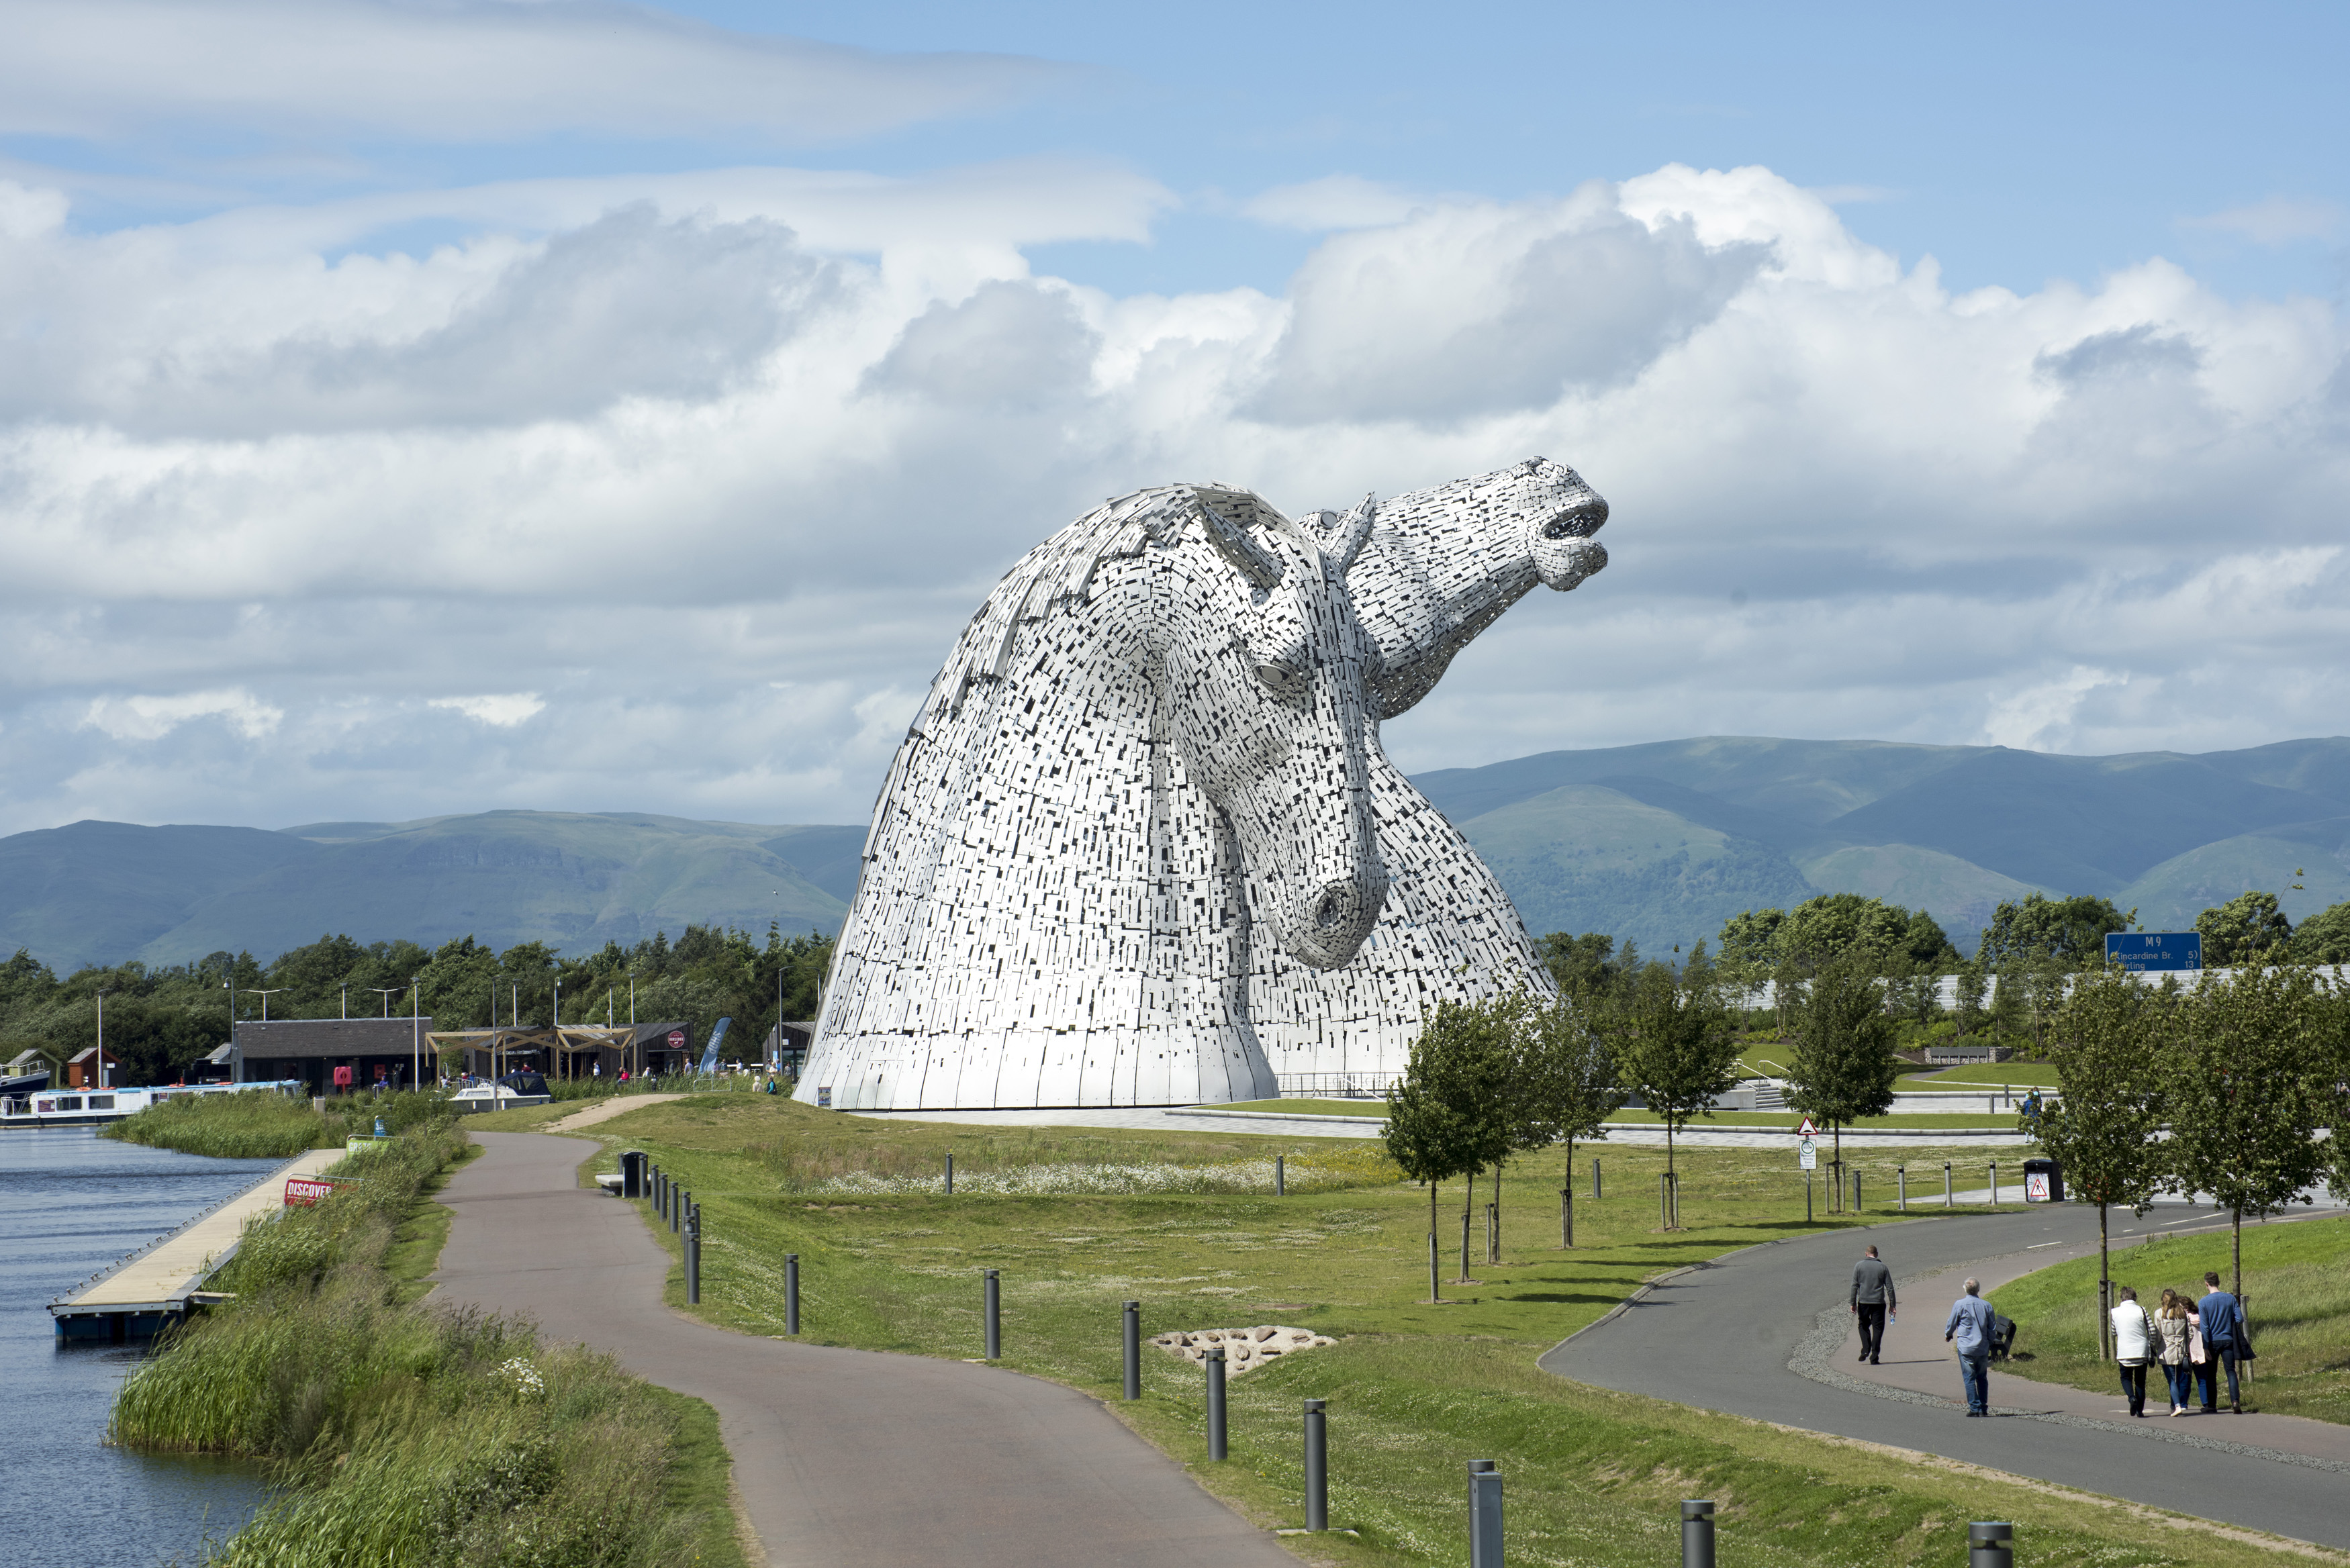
[[100, 892]]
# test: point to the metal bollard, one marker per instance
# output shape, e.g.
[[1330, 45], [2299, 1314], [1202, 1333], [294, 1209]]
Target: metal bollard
[[693, 1257], [1994, 1182], [1484, 1514], [1947, 1199], [678, 1198], [1901, 1185], [1215, 1367], [1594, 1181], [1280, 1176], [991, 1293], [1130, 1333], [791, 1292], [1990, 1545], [1697, 1534], [949, 1176], [1856, 1189], [1318, 1467]]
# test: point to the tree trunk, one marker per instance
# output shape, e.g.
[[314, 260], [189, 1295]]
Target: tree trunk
[[1567, 1200], [2105, 1290], [1493, 1247], [1434, 1293], [1468, 1207], [1671, 1175], [1835, 1132]]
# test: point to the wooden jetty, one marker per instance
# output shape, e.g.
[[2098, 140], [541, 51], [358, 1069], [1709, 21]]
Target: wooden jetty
[[152, 1287]]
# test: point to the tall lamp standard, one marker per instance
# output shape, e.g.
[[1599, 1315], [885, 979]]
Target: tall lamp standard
[[101, 1038], [559, 1064], [346, 1001], [265, 995], [416, 1028], [387, 993]]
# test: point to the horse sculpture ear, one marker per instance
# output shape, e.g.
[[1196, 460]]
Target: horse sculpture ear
[[1259, 565], [1354, 532]]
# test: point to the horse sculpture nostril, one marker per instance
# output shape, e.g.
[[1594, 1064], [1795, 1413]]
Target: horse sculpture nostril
[[1329, 912]]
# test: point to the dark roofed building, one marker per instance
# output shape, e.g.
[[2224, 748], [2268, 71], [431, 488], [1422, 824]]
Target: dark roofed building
[[376, 1051]]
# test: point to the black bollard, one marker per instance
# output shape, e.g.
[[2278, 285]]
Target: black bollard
[[1994, 1182], [950, 1176], [1990, 1545], [1280, 1176], [678, 1198], [1318, 1467], [693, 1257], [1484, 1514], [791, 1292], [1856, 1189], [1902, 1184], [991, 1294], [1697, 1534], [1945, 1183], [1215, 1366], [1130, 1333]]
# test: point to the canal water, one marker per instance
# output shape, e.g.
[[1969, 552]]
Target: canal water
[[70, 1203]]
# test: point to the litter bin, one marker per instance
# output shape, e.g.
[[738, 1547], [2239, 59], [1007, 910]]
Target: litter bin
[[2044, 1181], [632, 1173]]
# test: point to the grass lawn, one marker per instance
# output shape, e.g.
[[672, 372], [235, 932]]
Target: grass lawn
[[2296, 1279], [1782, 1121], [1989, 1074], [889, 1262]]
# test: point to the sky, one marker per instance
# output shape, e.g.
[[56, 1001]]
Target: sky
[[413, 409]]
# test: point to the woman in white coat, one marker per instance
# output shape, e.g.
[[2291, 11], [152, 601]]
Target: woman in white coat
[[2135, 1340]]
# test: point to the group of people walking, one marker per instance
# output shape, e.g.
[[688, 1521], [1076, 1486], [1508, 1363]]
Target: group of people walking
[[2191, 1341]]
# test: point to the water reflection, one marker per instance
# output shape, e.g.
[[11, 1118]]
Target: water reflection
[[70, 1203]]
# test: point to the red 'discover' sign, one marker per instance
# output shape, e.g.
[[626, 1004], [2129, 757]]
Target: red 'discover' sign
[[677, 1039], [306, 1190]]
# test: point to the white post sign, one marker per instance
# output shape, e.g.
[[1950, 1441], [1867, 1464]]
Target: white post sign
[[1807, 1146]]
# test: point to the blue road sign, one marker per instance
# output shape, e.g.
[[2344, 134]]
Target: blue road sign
[[2138, 952]]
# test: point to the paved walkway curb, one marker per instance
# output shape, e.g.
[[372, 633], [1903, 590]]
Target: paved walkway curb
[[845, 1459]]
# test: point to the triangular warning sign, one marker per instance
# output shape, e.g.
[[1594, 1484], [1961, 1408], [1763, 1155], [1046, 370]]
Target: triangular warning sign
[[1807, 1129]]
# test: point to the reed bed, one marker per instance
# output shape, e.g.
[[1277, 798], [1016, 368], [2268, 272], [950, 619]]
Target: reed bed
[[1048, 1160], [402, 1434], [1319, 1173], [267, 1124]]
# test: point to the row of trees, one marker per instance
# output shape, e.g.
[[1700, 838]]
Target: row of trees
[[160, 1020], [1491, 1080], [2227, 1088]]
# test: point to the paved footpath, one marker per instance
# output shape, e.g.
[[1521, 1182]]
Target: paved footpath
[[1765, 1332], [845, 1459]]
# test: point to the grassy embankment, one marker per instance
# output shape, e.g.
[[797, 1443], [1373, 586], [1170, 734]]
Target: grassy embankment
[[2297, 1278], [263, 1123], [1415, 1390], [1985, 1076], [1736, 1121], [410, 1436]]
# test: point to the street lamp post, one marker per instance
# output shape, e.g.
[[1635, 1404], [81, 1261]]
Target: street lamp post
[[347, 1000], [265, 995], [387, 993], [416, 1031], [100, 1062]]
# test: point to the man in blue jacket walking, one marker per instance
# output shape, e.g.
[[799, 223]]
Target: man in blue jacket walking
[[1968, 1333], [2221, 1318]]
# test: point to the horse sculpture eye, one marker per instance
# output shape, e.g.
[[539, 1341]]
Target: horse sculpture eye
[[1287, 678]]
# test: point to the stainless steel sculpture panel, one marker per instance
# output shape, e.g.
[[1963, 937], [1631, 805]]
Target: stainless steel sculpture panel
[[1140, 846]]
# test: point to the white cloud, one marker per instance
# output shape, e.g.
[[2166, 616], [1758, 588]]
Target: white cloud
[[2277, 221], [145, 718], [713, 484], [1333, 201], [501, 712], [463, 70]]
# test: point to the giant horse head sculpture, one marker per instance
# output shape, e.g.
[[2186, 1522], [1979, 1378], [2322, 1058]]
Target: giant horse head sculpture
[[1149, 753]]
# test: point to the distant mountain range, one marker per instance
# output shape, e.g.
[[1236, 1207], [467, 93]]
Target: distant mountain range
[[99, 892], [1659, 843], [1664, 842]]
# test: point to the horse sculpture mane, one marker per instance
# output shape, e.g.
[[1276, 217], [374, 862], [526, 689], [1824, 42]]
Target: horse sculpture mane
[[1136, 848]]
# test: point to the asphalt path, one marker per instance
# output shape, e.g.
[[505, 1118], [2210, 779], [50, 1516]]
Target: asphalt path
[[846, 1459], [1764, 1333]]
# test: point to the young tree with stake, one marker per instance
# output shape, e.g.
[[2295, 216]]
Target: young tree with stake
[[1844, 1066], [1564, 1088], [1675, 1047], [1443, 1112], [2104, 1130], [2251, 1081]]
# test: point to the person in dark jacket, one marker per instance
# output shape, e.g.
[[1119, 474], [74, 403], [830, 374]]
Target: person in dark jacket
[[1872, 1301], [2222, 1317]]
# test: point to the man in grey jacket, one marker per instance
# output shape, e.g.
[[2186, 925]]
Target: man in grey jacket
[[1871, 1303]]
